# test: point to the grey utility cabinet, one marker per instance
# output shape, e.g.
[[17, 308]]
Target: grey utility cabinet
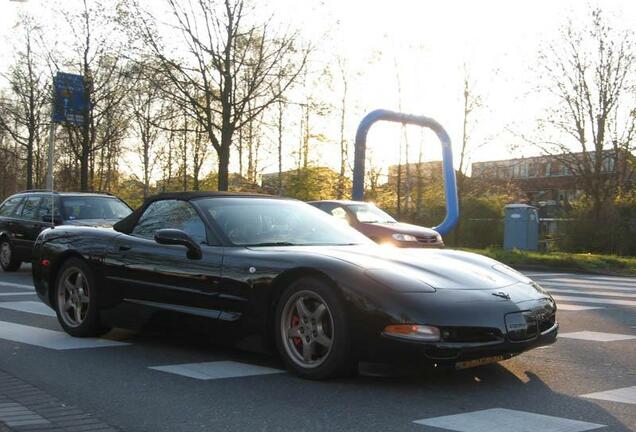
[[521, 227]]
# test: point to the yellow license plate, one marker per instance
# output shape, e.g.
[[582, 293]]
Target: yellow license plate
[[478, 362]]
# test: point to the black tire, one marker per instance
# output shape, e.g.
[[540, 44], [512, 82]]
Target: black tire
[[10, 263], [90, 325], [339, 360]]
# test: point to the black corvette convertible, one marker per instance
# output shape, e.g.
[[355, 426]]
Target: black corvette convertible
[[322, 293]]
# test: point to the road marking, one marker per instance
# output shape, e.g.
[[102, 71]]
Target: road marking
[[584, 288], [594, 300], [563, 277], [17, 294], [49, 338], [597, 336], [631, 280], [506, 420], [33, 307], [217, 370], [571, 307], [14, 414], [590, 281], [624, 395], [594, 293], [15, 285]]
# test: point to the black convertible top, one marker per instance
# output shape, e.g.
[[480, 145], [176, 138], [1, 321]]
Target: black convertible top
[[127, 224]]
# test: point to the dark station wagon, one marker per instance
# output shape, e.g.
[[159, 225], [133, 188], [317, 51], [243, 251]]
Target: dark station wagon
[[24, 215]]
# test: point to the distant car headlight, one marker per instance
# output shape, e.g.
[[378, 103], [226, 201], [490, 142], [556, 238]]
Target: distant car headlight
[[404, 237], [413, 332]]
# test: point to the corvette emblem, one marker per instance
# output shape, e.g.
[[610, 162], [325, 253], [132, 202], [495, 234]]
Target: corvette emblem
[[503, 295]]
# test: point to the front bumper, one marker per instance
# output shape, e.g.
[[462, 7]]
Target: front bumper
[[393, 350]]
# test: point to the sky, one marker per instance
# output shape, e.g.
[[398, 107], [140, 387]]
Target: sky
[[427, 45]]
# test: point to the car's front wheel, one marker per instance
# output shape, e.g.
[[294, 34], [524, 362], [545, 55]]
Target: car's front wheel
[[312, 331], [8, 258], [76, 300]]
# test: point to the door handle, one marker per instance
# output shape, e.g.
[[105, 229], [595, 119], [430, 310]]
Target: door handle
[[123, 248]]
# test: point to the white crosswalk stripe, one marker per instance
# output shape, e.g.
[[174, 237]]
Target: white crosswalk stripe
[[216, 370], [623, 395], [33, 307], [597, 336], [16, 285], [8, 294], [587, 292], [572, 307], [505, 420], [607, 301], [595, 293], [50, 339], [585, 287]]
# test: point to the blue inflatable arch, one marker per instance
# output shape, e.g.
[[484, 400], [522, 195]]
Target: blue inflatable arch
[[450, 183]]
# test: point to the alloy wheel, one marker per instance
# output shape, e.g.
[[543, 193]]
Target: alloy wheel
[[73, 297], [307, 329]]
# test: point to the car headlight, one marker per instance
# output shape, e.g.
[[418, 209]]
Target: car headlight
[[404, 237], [413, 332]]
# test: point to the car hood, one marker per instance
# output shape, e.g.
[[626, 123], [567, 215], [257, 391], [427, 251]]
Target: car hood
[[97, 223], [403, 228], [438, 268]]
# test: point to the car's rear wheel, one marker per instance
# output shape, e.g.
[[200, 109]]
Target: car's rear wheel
[[312, 331], [76, 300], [8, 258]]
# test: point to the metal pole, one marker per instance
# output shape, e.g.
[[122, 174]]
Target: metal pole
[[49, 174]]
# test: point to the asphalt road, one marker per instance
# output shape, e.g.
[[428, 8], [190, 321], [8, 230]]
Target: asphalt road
[[148, 382]]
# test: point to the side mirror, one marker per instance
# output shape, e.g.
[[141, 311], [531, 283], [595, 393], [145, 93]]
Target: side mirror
[[178, 237], [49, 219]]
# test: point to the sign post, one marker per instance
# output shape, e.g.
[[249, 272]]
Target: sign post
[[69, 106], [70, 103]]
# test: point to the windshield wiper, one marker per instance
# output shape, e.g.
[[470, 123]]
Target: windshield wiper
[[282, 243]]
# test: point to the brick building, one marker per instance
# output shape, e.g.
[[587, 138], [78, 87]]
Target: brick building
[[545, 180]]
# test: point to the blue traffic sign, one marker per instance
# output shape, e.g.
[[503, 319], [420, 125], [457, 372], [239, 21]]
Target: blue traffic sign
[[70, 101]]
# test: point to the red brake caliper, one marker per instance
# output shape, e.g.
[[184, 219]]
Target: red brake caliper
[[294, 323]]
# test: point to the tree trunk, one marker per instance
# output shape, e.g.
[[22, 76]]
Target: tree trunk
[[224, 162], [84, 168], [280, 148], [29, 163]]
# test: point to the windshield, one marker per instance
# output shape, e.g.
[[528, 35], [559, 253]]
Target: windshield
[[368, 213], [263, 221], [93, 207]]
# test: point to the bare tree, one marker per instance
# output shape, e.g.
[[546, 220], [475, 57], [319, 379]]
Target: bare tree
[[224, 52], [471, 102], [149, 110], [99, 59], [590, 73], [24, 116], [344, 80]]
